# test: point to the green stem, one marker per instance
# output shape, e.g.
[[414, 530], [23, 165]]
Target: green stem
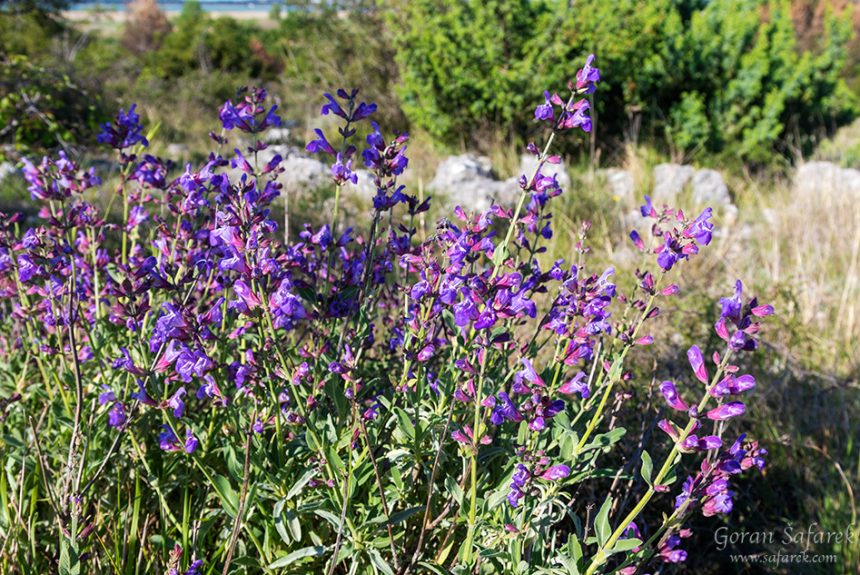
[[667, 466], [615, 373], [124, 230], [519, 208], [473, 491]]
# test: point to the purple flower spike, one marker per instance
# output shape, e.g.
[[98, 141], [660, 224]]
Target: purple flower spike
[[727, 411], [124, 131], [694, 354]]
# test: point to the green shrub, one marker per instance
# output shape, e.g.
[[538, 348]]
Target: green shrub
[[465, 65], [727, 76], [42, 108]]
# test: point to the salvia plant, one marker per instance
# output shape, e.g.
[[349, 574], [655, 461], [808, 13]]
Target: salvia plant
[[186, 390]]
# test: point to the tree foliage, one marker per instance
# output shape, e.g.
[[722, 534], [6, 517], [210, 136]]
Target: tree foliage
[[726, 76]]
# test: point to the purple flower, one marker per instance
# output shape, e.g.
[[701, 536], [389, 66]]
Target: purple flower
[[743, 318], [587, 76], [647, 209], [669, 551], [57, 179], [732, 385], [577, 117], [249, 299], [332, 107], [637, 240], [27, 269], [527, 374], [124, 131], [176, 403], [142, 396], [701, 229], [518, 484], [732, 307], [544, 112], [211, 390], [556, 472], [505, 410], [697, 362], [727, 411], [151, 172], [577, 384], [190, 442], [136, 216], [116, 415], [667, 388], [320, 144], [249, 115], [363, 111], [720, 503], [359, 112], [167, 439], [342, 173], [669, 254], [706, 443]]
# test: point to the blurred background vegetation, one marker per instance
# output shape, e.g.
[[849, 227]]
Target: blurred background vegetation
[[750, 81], [750, 87]]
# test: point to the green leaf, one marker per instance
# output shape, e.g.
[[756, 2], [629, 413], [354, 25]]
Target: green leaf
[[404, 423], [433, 568], [601, 522], [453, 489], [287, 519], [296, 555], [488, 553], [405, 514], [378, 562], [277, 512], [626, 545], [303, 480], [574, 547], [605, 439], [229, 498], [499, 255], [647, 467], [328, 516]]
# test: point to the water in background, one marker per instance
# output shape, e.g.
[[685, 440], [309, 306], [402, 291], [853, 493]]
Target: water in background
[[176, 6]]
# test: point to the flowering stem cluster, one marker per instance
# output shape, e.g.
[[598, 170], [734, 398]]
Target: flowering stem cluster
[[346, 401]]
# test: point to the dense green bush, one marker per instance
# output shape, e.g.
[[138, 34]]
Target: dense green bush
[[198, 41], [757, 90], [727, 76], [465, 65], [42, 108]]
